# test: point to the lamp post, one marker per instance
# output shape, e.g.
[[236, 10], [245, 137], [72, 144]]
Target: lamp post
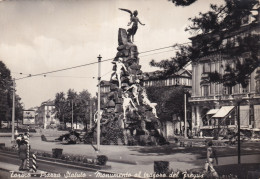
[[238, 132], [185, 116], [238, 102], [98, 120], [72, 113], [13, 110]]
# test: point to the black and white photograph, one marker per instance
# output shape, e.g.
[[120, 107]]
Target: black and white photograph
[[130, 89]]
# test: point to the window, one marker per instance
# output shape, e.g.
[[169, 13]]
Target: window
[[246, 89], [227, 90], [206, 67], [205, 90]]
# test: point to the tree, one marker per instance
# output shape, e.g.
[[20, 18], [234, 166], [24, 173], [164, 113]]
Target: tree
[[84, 106], [212, 29], [170, 101], [6, 96], [19, 107], [5, 92], [183, 2], [60, 107], [80, 102]]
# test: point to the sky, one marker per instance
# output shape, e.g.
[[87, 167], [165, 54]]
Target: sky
[[47, 35]]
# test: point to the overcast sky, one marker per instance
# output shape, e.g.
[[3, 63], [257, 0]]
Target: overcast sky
[[45, 35]]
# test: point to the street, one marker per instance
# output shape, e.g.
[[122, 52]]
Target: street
[[53, 170]]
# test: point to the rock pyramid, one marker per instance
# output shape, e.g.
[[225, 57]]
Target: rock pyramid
[[128, 117]]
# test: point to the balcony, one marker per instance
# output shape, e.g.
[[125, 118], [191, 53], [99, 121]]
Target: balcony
[[202, 98], [225, 97]]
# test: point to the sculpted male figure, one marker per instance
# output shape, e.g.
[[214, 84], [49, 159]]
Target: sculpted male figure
[[127, 102], [148, 102], [119, 67], [135, 92]]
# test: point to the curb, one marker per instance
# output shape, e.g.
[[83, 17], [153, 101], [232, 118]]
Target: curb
[[102, 172], [61, 162]]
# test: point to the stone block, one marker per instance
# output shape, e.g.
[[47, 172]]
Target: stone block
[[135, 66], [132, 71], [119, 94], [110, 110], [139, 72], [102, 106], [120, 54], [118, 108], [124, 79], [128, 46], [134, 55], [126, 53], [118, 100], [111, 103], [122, 37], [126, 73], [125, 85], [121, 47], [134, 48], [111, 95], [113, 87], [114, 68]]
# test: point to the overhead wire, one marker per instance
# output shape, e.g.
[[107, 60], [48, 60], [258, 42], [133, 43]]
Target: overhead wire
[[87, 64]]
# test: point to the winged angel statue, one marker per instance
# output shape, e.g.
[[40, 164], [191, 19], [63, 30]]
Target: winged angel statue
[[133, 19]]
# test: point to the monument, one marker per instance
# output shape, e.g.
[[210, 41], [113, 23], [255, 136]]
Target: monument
[[129, 117]]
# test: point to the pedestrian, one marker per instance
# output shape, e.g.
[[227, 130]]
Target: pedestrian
[[22, 152], [211, 155]]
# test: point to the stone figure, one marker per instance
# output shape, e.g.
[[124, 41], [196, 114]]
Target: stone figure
[[148, 102], [127, 102], [135, 92], [96, 116], [119, 67], [135, 20]]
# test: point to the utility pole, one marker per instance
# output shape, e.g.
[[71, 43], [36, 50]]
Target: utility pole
[[238, 132], [13, 110], [90, 113], [185, 117], [72, 124], [98, 120]]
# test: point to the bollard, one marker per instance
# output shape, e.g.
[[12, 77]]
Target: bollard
[[28, 149], [161, 167], [56, 152], [34, 163]]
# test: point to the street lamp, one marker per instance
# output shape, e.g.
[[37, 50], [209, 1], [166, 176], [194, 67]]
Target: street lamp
[[238, 102], [13, 110]]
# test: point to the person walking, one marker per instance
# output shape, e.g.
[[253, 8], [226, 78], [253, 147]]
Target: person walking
[[211, 155], [22, 152]]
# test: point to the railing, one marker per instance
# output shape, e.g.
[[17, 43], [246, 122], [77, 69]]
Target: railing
[[202, 98], [224, 97]]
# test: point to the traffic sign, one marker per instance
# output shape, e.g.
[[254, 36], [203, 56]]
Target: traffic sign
[[28, 117]]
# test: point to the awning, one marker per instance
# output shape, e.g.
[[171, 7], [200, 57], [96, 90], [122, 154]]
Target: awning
[[224, 110], [212, 111]]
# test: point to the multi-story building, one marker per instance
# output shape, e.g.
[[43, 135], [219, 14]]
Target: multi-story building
[[180, 78], [46, 114], [216, 105]]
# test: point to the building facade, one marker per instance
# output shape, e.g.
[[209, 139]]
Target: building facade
[[217, 105], [46, 115]]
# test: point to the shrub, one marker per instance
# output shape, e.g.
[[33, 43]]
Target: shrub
[[101, 160]]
